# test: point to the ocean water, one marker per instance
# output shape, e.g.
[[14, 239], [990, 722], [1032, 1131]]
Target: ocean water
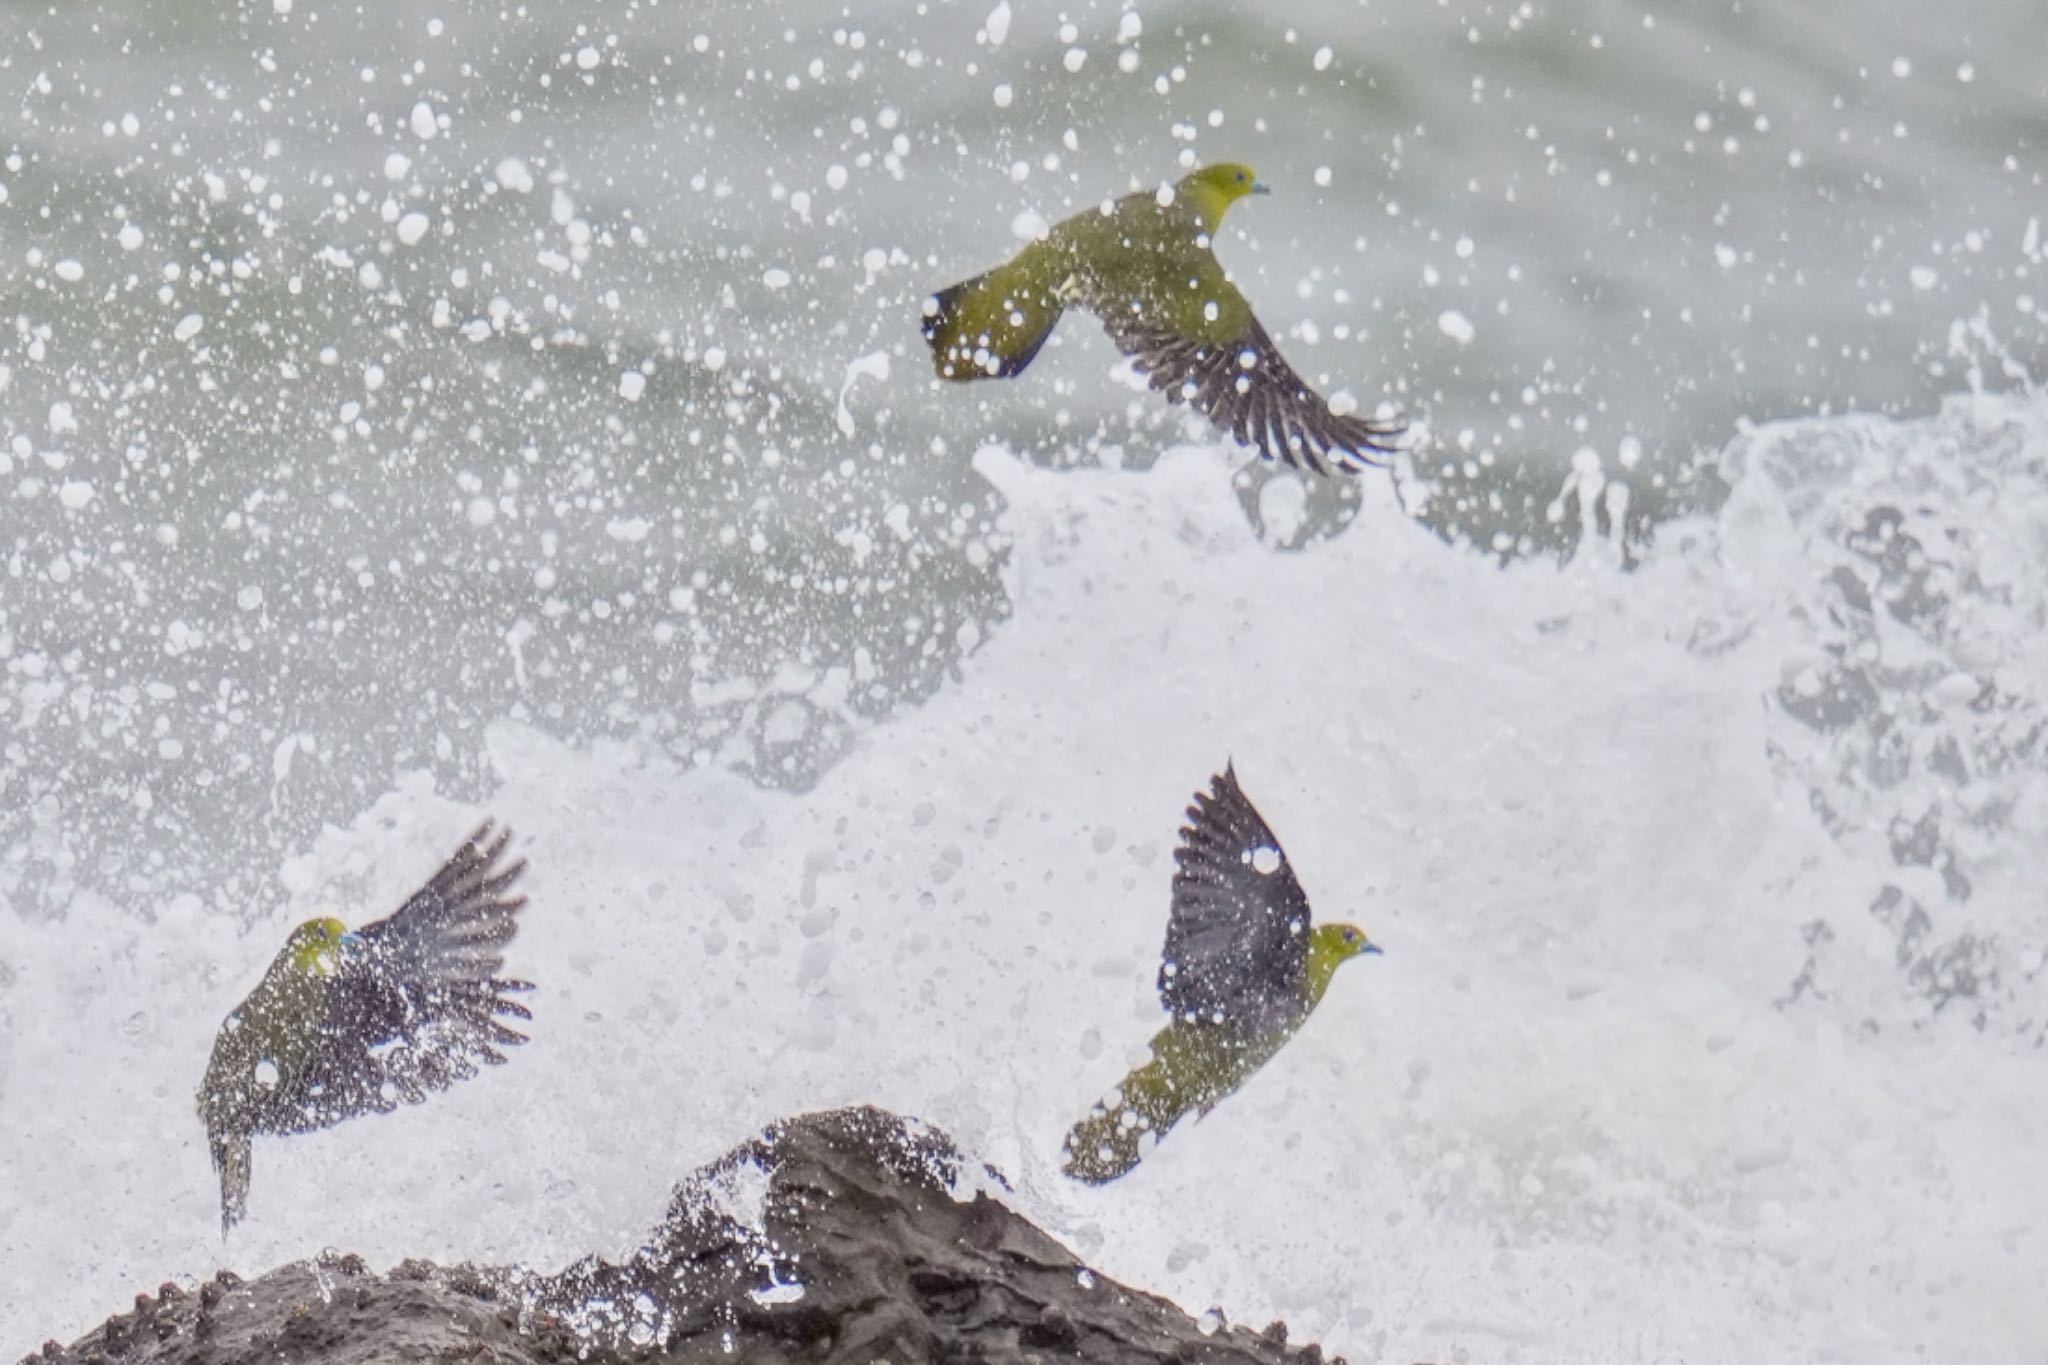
[[462, 409]]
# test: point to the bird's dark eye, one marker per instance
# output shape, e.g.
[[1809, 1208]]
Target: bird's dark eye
[[1240, 175]]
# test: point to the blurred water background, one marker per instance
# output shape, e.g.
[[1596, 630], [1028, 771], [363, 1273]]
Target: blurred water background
[[375, 370]]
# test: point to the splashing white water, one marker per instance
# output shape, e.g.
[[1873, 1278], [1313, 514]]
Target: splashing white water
[[1655, 1065]]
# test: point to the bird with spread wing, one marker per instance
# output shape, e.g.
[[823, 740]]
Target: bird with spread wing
[[1143, 264], [358, 1022], [1242, 971]]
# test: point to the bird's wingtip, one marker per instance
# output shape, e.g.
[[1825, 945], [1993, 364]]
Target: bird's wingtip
[[1226, 782]]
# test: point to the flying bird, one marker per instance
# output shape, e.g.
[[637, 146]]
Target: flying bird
[[358, 1022], [1143, 264], [1242, 971]]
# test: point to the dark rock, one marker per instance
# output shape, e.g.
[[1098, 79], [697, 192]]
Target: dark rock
[[472, 1283], [839, 1237], [1054, 1331], [344, 1263]]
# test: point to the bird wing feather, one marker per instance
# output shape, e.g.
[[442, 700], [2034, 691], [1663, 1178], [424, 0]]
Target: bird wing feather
[[1247, 388], [416, 1007], [1237, 939]]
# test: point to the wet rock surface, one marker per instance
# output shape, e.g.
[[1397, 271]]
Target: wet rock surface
[[853, 1235]]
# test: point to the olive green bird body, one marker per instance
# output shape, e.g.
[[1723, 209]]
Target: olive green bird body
[[1154, 256], [1243, 971], [275, 1032], [1143, 264], [353, 1023]]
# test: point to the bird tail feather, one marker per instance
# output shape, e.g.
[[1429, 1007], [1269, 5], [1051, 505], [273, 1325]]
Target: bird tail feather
[[1129, 1121], [992, 325], [231, 1159]]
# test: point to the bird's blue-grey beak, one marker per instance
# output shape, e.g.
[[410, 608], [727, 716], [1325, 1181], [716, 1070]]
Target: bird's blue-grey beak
[[352, 942], [1371, 948], [1261, 187]]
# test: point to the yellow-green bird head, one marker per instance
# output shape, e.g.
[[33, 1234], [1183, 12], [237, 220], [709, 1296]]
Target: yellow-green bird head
[[316, 947], [1212, 189], [1330, 946]]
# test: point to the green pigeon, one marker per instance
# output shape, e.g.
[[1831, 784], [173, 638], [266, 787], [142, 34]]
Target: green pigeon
[[1143, 264], [348, 1023], [1243, 969]]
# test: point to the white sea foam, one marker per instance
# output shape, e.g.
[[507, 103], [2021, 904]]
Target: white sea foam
[[1651, 1068]]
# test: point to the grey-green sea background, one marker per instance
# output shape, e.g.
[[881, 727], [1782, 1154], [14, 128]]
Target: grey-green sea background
[[428, 362]]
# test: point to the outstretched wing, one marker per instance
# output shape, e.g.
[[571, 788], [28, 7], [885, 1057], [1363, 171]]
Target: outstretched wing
[[1237, 941], [1247, 388], [416, 1005]]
